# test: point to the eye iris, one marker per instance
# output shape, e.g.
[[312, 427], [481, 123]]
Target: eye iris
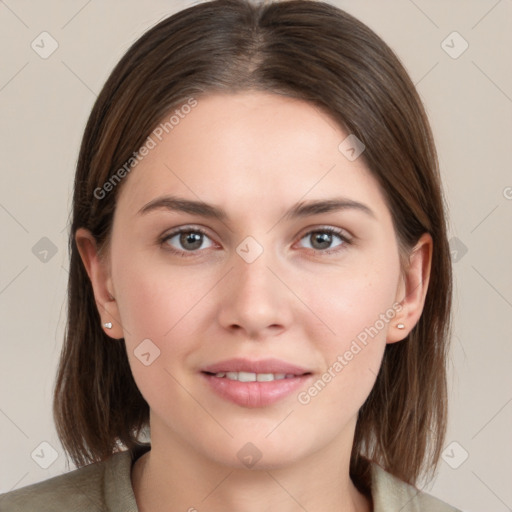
[[193, 238], [324, 239]]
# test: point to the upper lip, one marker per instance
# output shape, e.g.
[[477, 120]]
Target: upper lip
[[260, 366]]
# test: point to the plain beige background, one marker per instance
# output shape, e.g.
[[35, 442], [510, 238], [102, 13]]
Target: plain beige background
[[44, 105]]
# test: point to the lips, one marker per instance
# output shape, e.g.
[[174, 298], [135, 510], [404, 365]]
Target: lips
[[264, 366], [254, 383]]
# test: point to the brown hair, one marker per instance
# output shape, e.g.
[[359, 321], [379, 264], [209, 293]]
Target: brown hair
[[303, 49]]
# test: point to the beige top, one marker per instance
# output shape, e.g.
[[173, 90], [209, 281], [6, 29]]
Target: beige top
[[106, 487]]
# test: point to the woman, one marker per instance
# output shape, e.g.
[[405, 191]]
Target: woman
[[260, 279]]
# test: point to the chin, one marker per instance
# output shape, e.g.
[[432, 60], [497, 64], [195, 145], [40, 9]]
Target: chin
[[260, 453]]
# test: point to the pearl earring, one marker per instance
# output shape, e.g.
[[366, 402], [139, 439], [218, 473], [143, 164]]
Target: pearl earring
[[400, 326], [107, 325]]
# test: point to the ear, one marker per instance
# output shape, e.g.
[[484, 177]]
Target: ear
[[98, 270], [412, 289]]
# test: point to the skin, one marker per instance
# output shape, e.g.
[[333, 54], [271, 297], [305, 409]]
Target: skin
[[254, 155]]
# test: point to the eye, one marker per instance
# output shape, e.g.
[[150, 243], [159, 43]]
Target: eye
[[321, 239], [186, 239]]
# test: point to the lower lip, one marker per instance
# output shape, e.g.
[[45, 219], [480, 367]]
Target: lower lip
[[254, 394]]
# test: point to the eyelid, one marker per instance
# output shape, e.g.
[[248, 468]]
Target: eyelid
[[341, 232], [187, 227]]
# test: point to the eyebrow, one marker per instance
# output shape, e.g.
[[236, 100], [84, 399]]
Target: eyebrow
[[299, 210]]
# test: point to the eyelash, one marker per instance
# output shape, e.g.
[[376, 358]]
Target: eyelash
[[190, 229]]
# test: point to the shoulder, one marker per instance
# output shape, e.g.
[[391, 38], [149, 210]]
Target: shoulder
[[391, 494], [89, 488]]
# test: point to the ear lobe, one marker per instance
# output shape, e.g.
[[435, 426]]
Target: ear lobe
[[412, 289], [97, 269]]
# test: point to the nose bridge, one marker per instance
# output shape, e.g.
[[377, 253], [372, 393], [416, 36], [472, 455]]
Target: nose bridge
[[253, 279], [256, 299]]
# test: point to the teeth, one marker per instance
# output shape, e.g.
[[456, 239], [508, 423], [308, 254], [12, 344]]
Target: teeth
[[246, 377], [254, 377]]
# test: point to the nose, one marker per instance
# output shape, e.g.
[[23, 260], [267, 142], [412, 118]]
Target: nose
[[255, 302]]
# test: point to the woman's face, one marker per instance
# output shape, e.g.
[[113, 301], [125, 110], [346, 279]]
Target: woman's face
[[257, 283]]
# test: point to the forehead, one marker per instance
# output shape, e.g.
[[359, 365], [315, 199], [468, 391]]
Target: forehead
[[247, 151]]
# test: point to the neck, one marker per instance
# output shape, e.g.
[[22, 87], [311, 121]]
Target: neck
[[177, 478]]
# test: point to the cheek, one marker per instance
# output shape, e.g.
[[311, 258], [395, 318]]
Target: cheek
[[154, 297], [354, 300], [354, 309], [166, 305], [159, 308]]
